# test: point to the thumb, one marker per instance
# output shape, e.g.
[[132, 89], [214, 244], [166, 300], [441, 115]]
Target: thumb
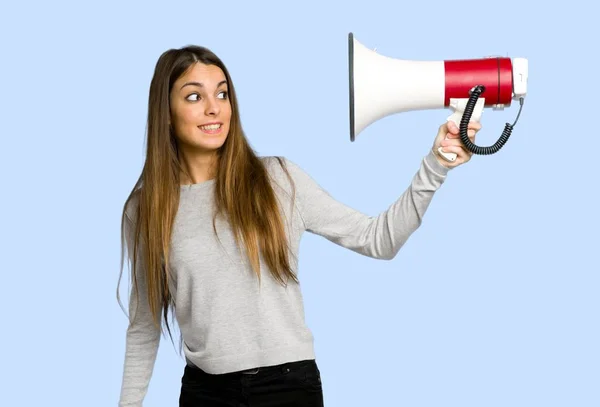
[[452, 127]]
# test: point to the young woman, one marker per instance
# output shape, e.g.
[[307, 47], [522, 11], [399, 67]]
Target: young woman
[[213, 230]]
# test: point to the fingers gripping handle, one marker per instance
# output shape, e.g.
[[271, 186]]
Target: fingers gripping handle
[[458, 108]]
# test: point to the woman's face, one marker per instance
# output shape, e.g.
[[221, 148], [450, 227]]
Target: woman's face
[[200, 109]]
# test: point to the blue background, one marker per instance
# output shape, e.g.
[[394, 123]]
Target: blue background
[[492, 302]]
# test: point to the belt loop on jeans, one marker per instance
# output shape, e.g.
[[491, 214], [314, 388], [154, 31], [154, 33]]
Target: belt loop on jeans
[[250, 371]]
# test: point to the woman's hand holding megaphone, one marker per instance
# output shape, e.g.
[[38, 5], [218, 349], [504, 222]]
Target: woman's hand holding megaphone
[[448, 138]]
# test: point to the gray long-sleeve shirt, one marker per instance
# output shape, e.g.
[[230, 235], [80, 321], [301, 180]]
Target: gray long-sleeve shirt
[[228, 322]]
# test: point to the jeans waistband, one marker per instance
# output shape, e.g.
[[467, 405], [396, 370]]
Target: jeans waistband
[[284, 368]]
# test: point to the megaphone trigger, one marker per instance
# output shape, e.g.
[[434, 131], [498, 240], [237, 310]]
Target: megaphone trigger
[[458, 106]]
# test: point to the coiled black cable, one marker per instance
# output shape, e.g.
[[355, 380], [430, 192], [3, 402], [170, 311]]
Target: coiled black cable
[[466, 118]]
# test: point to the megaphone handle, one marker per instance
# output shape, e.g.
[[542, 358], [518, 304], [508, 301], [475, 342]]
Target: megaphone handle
[[458, 108]]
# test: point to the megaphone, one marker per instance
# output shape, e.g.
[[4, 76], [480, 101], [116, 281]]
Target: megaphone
[[380, 86]]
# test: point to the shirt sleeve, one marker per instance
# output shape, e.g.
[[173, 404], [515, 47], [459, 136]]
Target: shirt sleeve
[[381, 236], [142, 338]]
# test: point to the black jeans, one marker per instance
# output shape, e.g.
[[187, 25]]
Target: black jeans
[[295, 384]]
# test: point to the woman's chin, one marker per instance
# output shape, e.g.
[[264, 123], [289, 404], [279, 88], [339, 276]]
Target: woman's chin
[[209, 143]]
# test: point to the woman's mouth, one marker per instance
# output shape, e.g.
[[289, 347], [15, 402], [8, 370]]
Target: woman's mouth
[[211, 128]]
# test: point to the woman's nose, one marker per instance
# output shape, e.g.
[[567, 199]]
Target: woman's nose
[[212, 107]]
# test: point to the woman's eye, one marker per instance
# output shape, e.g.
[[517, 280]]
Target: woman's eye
[[223, 95], [193, 97]]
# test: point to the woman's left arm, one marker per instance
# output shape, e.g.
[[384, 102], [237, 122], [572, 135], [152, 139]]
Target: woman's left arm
[[380, 236]]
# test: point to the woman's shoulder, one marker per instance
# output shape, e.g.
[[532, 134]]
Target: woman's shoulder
[[132, 205], [272, 159], [281, 169], [279, 164]]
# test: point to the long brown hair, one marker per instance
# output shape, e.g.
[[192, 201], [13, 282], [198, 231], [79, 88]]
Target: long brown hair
[[243, 192]]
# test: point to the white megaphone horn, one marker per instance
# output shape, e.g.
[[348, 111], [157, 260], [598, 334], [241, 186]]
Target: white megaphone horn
[[381, 86]]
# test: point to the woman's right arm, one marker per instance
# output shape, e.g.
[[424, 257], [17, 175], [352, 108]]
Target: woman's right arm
[[142, 337]]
